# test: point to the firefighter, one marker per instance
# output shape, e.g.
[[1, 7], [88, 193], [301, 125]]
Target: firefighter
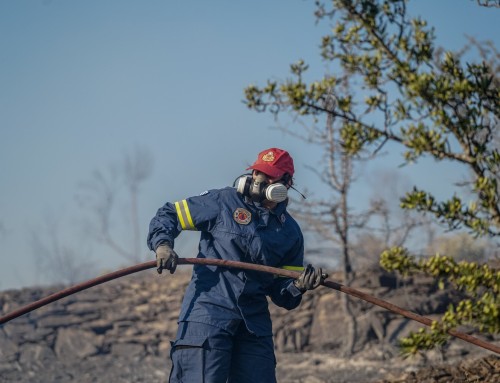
[[225, 329]]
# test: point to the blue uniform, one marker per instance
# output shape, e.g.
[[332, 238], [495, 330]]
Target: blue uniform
[[230, 301]]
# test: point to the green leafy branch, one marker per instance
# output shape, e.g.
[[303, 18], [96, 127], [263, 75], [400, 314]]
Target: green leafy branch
[[481, 309]]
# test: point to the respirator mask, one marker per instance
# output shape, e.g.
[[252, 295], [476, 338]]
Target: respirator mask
[[259, 189]]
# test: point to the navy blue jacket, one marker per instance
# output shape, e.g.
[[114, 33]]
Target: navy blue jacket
[[234, 228]]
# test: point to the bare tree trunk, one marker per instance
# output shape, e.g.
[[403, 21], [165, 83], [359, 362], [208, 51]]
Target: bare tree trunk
[[351, 326], [352, 323], [331, 218]]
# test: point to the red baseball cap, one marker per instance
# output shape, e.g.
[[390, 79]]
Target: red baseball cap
[[274, 162]]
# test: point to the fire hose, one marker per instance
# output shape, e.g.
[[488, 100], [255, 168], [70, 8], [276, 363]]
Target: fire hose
[[246, 266]]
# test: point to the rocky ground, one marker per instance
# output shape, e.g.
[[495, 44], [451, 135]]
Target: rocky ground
[[121, 332]]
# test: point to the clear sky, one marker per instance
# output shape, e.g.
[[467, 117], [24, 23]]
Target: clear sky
[[84, 82]]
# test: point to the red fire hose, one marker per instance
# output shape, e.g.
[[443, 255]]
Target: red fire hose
[[247, 266]]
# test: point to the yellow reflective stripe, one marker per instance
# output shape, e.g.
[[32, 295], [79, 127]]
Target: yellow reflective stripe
[[184, 215], [179, 215], [188, 214], [293, 268]]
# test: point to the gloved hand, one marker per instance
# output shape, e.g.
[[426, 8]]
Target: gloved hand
[[166, 258], [310, 278]]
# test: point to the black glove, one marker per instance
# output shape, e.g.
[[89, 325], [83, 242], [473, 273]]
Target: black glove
[[310, 278], [166, 258]]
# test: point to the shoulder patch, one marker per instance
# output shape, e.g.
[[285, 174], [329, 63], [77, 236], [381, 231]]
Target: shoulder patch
[[205, 192], [242, 216]]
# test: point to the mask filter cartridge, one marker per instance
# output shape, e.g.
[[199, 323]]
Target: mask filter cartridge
[[276, 192], [258, 189]]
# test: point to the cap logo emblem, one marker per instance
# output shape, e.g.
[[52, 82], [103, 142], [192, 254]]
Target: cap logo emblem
[[268, 157], [242, 216]]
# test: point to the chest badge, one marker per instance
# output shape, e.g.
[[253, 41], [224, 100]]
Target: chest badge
[[242, 216]]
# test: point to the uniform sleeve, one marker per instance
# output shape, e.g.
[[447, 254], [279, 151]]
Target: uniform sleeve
[[283, 292], [193, 213]]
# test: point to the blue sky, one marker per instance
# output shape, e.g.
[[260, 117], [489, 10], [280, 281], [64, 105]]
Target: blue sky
[[84, 82]]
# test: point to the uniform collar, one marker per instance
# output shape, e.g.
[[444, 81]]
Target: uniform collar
[[278, 211]]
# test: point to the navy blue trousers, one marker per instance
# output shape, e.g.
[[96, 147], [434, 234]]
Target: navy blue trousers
[[203, 353]]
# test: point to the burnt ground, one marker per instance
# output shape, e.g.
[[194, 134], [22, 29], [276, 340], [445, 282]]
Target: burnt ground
[[121, 332]]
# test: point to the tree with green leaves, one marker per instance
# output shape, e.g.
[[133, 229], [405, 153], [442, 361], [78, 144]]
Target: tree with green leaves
[[396, 86]]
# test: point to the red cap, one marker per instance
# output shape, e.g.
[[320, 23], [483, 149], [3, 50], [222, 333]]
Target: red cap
[[274, 162]]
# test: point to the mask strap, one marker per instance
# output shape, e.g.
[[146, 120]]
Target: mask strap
[[237, 178], [288, 181], [303, 196]]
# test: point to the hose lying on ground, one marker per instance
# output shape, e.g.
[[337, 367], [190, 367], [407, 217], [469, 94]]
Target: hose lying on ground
[[247, 266]]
